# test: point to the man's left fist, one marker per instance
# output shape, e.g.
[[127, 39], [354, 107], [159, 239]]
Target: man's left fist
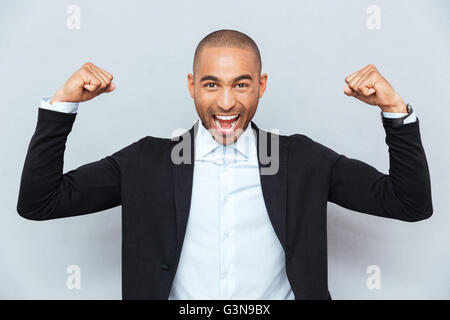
[[370, 86]]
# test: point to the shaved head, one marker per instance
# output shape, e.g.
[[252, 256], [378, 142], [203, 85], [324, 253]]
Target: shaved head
[[226, 38], [227, 84]]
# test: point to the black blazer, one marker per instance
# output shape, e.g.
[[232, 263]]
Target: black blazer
[[155, 196]]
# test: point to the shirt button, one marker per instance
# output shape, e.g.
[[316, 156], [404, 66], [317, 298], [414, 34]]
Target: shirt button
[[224, 274], [165, 266], [226, 234]]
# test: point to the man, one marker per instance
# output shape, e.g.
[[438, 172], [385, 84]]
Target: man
[[200, 217]]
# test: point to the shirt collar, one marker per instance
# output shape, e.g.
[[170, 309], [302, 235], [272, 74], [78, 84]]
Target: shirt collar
[[205, 143]]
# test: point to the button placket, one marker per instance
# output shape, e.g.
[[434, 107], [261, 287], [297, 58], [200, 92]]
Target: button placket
[[225, 212]]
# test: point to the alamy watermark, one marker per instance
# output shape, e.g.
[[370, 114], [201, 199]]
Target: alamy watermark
[[74, 17], [374, 20], [74, 279], [374, 278], [269, 150]]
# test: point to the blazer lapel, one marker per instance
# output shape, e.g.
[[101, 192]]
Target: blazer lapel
[[182, 181], [274, 186]]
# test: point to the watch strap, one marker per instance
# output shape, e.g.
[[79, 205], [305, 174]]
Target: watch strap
[[396, 122]]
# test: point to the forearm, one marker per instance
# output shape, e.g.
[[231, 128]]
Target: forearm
[[43, 167], [409, 176]]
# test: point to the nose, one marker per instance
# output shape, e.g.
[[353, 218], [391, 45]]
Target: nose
[[226, 99]]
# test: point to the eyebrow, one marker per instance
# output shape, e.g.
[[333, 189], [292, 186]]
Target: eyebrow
[[214, 78]]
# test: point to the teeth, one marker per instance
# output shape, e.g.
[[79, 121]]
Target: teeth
[[227, 117]]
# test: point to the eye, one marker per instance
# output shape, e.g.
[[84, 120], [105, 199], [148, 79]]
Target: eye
[[208, 84], [243, 85]]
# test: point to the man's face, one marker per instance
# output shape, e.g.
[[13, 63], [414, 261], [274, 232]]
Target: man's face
[[226, 87]]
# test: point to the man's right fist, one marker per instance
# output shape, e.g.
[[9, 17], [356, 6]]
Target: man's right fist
[[87, 83]]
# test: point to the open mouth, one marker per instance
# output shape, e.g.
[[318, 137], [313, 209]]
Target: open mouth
[[226, 124]]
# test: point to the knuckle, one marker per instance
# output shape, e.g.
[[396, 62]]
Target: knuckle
[[103, 84]]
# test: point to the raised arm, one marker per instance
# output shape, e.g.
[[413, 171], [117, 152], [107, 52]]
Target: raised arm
[[45, 192], [404, 193]]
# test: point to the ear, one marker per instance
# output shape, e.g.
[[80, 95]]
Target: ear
[[262, 84], [190, 79]]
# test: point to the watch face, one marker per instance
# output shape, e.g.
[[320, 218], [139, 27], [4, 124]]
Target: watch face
[[409, 108]]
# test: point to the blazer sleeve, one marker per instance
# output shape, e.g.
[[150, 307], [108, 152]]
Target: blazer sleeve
[[403, 194], [46, 193]]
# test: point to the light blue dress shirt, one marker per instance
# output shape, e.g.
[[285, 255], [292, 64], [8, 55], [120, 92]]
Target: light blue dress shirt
[[230, 250]]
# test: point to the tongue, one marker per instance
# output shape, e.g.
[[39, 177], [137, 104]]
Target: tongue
[[226, 124]]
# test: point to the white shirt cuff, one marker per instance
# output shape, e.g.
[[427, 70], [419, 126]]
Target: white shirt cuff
[[66, 107], [409, 119]]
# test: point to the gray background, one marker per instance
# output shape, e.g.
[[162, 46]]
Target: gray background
[[307, 48]]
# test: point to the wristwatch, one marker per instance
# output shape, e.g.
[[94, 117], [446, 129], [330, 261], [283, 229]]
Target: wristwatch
[[396, 122]]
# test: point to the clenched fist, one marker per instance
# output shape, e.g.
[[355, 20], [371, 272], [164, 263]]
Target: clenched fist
[[87, 83], [369, 86]]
